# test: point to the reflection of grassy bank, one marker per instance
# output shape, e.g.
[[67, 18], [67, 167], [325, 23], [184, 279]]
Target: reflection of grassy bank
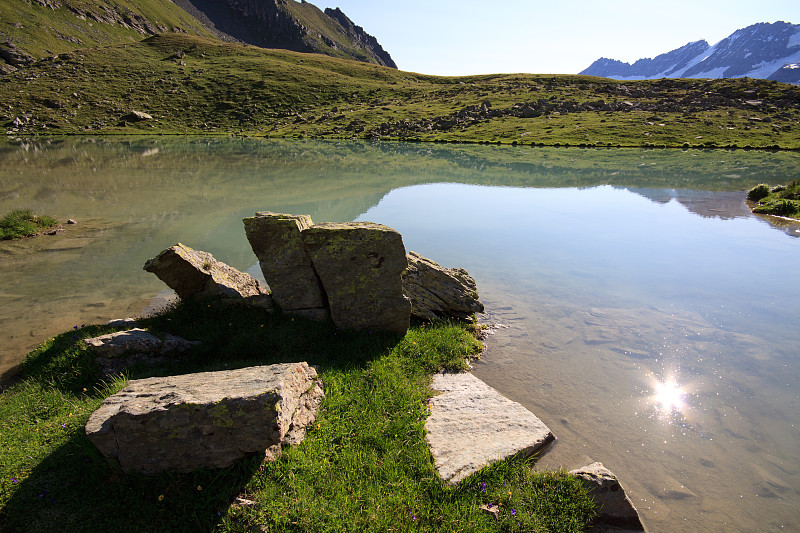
[[24, 223], [782, 201], [364, 466], [222, 88]]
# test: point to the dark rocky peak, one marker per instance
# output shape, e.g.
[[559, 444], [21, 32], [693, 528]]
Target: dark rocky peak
[[364, 37]]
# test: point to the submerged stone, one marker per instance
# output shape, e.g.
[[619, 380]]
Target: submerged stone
[[615, 511]]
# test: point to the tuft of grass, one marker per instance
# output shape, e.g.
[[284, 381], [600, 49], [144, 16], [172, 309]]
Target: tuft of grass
[[24, 223], [782, 201], [364, 465]]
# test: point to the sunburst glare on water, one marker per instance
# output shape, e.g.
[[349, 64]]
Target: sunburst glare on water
[[669, 397]]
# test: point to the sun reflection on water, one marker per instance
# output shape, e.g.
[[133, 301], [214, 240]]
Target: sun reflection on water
[[669, 397]]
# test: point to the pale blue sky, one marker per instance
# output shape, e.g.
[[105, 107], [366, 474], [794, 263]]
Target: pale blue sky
[[460, 37]]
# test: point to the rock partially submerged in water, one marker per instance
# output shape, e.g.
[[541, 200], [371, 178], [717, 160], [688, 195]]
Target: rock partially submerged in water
[[205, 420], [437, 292], [195, 274], [360, 265], [615, 511], [472, 425], [287, 268]]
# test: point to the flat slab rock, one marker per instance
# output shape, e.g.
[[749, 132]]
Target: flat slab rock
[[205, 420], [472, 425], [122, 349]]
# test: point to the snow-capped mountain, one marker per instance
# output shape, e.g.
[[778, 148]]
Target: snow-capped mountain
[[767, 51]]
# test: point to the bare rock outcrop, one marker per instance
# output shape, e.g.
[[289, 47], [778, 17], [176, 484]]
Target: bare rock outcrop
[[615, 510], [193, 273], [360, 266], [472, 425], [295, 286], [205, 420], [437, 292]]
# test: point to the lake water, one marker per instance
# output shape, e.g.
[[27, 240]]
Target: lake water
[[651, 319]]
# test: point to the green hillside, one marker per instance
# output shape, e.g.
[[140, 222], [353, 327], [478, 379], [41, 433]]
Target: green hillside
[[193, 85], [42, 28]]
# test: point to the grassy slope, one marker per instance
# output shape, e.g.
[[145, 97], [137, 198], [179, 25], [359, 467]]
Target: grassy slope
[[226, 88], [44, 31], [363, 467]]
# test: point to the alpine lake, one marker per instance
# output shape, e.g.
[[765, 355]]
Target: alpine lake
[[649, 319]]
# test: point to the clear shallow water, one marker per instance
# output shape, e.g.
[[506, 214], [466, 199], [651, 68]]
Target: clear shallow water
[[617, 271]]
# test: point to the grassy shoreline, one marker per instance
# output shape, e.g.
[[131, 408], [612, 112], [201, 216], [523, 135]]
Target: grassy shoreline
[[364, 466], [221, 88]]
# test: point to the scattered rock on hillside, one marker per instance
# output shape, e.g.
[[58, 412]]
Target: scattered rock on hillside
[[205, 420], [136, 116], [360, 266], [193, 273], [14, 56], [471, 425], [437, 292], [275, 239], [615, 510]]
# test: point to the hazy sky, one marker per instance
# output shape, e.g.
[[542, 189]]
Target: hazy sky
[[459, 37]]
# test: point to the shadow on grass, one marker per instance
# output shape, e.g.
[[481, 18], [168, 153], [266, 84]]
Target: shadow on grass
[[75, 489]]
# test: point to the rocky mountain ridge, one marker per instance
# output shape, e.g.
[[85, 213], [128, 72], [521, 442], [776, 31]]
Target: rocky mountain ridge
[[763, 50], [290, 25]]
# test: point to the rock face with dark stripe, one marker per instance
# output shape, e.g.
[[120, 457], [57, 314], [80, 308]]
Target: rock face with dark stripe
[[360, 265], [437, 292], [205, 420]]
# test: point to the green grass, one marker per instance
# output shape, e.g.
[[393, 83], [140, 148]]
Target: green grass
[[23, 223], [221, 89], [364, 466], [783, 201]]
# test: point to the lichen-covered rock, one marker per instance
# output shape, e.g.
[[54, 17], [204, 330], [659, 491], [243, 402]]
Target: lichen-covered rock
[[615, 511], [275, 239], [472, 425], [437, 292], [360, 266], [124, 349], [193, 273], [205, 420]]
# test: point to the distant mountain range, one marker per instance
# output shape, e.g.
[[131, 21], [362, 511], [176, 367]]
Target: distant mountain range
[[763, 50]]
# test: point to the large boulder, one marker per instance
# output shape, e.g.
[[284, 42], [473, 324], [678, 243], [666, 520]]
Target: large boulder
[[437, 292], [615, 511], [193, 273], [360, 266], [275, 239], [205, 420], [472, 425]]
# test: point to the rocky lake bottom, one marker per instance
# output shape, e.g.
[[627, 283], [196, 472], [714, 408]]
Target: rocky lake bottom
[[651, 318]]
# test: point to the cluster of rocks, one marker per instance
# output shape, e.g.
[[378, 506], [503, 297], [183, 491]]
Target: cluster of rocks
[[354, 273], [357, 274]]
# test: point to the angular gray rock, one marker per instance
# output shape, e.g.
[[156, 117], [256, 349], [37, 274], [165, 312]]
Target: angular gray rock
[[193, 273], [437, 292], [123, 349], [275, 239], [205, 420], [615, 510], [471, 425], [360, 266]]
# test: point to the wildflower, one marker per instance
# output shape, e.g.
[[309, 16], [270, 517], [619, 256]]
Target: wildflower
[[513, 512], [199, 487], [483, 486], [489, 506], [161, 497], [14, 480], [63, 425]]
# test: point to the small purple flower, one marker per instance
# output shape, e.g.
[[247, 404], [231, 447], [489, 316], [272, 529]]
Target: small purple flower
[[63, 425], [483, 486], [14, 480], [489, 506], [513, 512]]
